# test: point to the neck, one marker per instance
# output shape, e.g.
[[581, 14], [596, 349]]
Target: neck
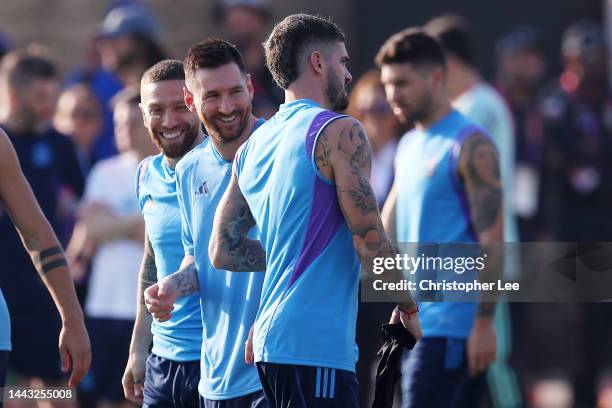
[[300, 89], [171, 161], [228, 150], [461, 78], [441, 108]]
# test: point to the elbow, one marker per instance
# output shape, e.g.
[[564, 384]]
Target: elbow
[[215, 255]]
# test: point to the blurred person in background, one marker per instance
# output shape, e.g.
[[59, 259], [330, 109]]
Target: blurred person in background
[[79, 115], [481, 103], [28, 91], [577, 112], [109, 232], [521, 66], [245, 24], [368, 104], [6, 45]]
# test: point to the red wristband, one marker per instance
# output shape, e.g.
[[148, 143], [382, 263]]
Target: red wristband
[[414, 311]]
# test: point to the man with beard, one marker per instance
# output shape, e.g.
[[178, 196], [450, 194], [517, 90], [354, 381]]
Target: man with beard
[[303, 178], [172, 368], [220, 91], [448, 190]]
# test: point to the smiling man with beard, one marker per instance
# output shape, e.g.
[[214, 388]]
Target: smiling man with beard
[[220, 91], [175, 356], [303, 178]]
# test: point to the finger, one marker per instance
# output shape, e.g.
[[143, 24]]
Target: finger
[[78, 372], [395, 316], [139, 391]]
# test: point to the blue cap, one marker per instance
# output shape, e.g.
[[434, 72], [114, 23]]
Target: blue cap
[[129, 19]]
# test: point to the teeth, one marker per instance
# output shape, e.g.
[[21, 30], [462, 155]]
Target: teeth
[[171, 135], [228, 120]]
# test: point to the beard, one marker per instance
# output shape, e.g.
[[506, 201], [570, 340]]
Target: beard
[[216, 131], [336, 93], [176, 150]]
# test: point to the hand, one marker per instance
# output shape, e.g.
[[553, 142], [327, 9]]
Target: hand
[[74, 347], [160, 298], [410, 322], [481, 346], [134, 377], [248, 348]]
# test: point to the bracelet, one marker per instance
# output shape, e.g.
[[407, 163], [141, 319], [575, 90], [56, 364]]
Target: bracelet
[[414, 311]]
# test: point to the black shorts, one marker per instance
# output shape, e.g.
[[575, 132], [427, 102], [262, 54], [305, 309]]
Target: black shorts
[[35, 335], [307, 386], [254, 400], [110, 345], [170, 384]]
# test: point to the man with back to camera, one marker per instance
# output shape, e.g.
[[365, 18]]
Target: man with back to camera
[[303, 179], [173, 368], [448, 170], [220, 91]]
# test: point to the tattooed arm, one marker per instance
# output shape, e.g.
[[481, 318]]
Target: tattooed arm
[[343, 155], [48, 256], [229, 248], [133, 377], [479, 170], [160, 297]]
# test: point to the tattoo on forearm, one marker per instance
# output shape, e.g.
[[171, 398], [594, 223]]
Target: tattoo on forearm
[[353, 143], [483, 172], [245, 254], [186, 280], [49, 259], [148, 273]]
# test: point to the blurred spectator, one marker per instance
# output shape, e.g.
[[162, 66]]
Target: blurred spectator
[[368, 104], [577, 113], [520, 71], [481, 103], [28, 93], [6, 45], [79, 115], [245, 24], [110, 232]]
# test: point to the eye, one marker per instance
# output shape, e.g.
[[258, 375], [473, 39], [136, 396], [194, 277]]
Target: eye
[[182, 109], [236, 91]]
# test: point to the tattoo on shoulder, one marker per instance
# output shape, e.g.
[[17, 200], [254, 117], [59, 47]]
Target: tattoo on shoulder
[[353, 143], [482, 167]]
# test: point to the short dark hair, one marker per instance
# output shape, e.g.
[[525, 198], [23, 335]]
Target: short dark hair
[[412, 46], [129, 95], [21, 67], [454, 34], [290, 38], [211, 53], [165, 70]]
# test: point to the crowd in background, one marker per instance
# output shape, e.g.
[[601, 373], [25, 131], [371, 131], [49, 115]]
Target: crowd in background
[[79, 138]]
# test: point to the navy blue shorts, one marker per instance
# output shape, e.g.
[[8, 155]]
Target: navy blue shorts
[[253, 400], [170, 384], [35, 332], [110, 345], [305, 386], [435, 374]]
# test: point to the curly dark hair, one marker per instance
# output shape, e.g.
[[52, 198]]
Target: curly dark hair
[[290, 38], [211, 53]]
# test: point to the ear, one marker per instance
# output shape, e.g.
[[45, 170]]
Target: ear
[[188, 97], [144, 116], [249, 85], [315, 59]]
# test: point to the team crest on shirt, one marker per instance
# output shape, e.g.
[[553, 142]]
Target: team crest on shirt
[[203, 189]]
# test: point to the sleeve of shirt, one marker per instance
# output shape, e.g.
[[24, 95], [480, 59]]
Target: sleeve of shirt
[[183, 193], [140, 174]]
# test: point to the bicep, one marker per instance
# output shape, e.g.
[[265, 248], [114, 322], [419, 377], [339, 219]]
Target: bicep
[[351, 160]]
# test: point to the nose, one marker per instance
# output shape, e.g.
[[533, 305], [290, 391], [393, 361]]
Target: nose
[[226, 106], [348, 78], [168, 119]]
